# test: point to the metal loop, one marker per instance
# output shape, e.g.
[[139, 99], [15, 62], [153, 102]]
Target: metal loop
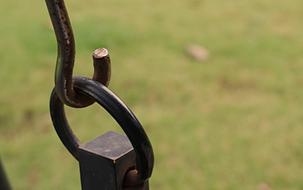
[[118, 110], [66, 57]]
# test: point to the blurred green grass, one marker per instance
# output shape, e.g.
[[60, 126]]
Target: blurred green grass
[[233, 122]]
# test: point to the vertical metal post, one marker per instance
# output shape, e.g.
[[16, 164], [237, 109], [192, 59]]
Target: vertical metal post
[[105, 161], [4, 185]]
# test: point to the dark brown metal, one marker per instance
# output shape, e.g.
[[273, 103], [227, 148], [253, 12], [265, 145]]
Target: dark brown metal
[[66, 57], [105, 161], [131, 181], [4, 184], [102, 66], [81, 92], [122, 114]]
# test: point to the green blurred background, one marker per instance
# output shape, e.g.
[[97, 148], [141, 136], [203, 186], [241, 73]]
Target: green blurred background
[[231, 122]]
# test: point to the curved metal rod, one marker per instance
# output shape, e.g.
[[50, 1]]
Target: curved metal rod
[[120, 112], [66, 57]]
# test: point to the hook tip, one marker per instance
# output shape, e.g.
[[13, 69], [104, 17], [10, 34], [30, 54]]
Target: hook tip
[[100, 53]]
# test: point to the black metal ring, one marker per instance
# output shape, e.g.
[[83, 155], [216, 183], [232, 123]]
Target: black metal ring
[[118, 110]]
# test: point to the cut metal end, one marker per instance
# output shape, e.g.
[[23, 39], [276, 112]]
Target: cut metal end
[[102, 70], [100, 53]]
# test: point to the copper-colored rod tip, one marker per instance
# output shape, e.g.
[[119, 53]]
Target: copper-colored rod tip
[[102, 66]]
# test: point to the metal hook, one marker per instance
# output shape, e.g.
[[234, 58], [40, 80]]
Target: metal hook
[[81, 92], [66, 56]]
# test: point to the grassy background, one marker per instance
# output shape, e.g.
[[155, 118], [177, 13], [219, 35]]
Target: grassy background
[[233, 122]]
